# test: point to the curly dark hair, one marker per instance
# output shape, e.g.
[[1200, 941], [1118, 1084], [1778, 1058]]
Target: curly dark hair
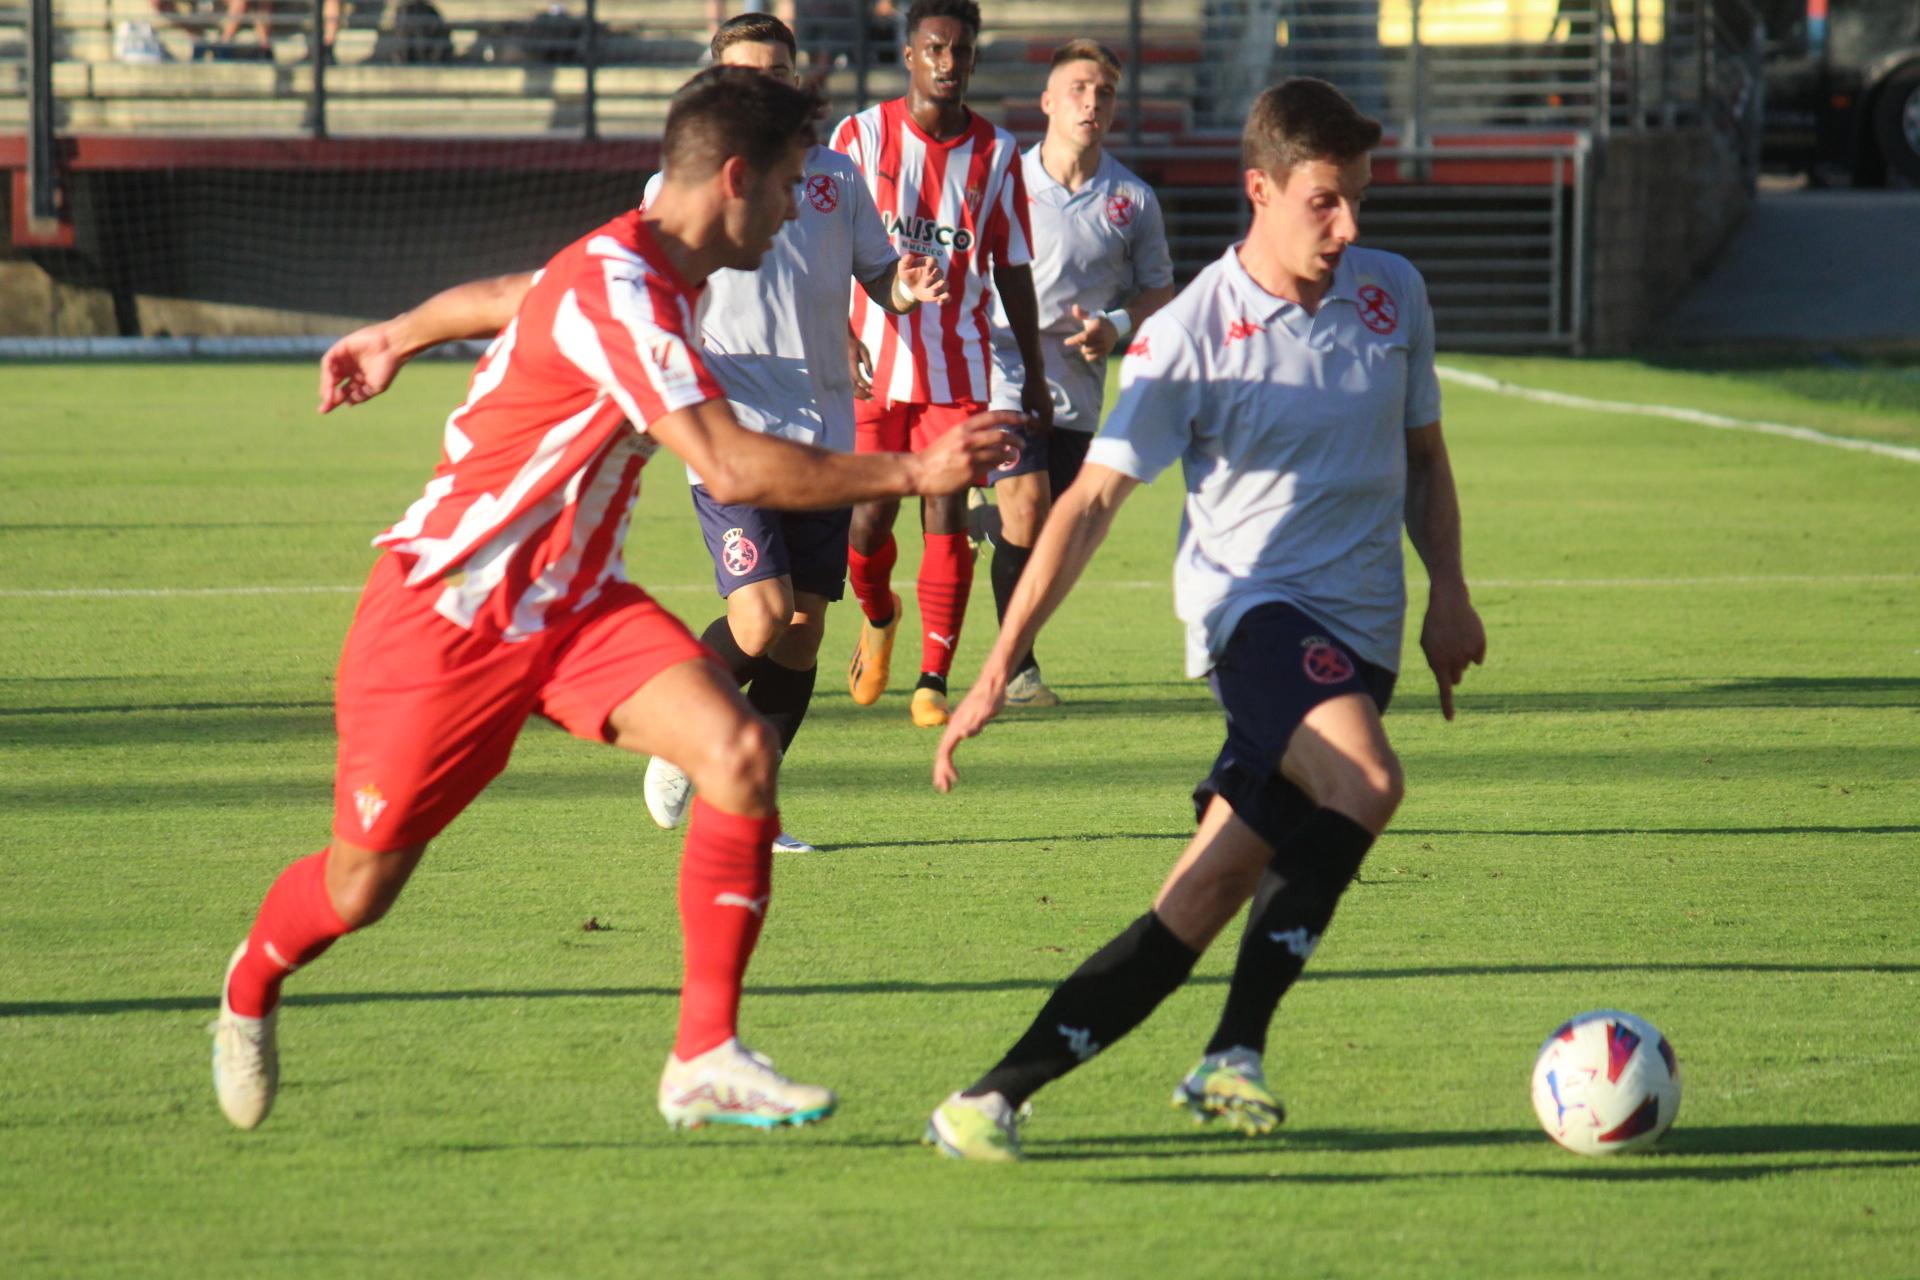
[[965, 12]]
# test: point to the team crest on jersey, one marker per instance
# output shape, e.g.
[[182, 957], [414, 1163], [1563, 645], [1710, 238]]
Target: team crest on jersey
[[1378, 311], [738, 555], [370, 804], [1120, 210], [975, 197], [1324, 661], [823, 193]]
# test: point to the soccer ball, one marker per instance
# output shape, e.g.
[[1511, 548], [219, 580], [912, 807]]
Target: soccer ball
[[1606, 1082]]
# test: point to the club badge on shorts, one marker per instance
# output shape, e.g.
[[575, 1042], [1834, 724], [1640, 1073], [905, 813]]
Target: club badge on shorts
[[1324, 661], [370, 804], [738, 555]]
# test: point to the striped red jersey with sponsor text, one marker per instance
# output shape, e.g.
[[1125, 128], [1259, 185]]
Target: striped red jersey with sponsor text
[[963, 202], [525, 518]]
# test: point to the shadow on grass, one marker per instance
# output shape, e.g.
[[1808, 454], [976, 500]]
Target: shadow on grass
[[1685, 1154], [205, 1002]]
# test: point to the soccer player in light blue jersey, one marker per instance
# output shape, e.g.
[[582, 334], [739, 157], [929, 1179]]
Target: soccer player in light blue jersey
[[1294, 382], [1100, 268]]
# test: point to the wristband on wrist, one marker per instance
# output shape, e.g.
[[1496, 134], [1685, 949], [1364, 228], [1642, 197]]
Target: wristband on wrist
[[906, 301], [1121, 321]]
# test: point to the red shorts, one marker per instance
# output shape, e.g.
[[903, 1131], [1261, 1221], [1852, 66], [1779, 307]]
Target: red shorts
[[427, 712], [904, 427]]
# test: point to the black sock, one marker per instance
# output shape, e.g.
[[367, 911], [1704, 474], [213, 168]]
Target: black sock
[[1102, 1000], [1008, 561], [782, 694], [1291, 909], [718, 637], [932, 680]]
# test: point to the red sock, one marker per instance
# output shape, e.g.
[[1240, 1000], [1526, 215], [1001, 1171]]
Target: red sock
[[946, 575], [296, 924], [726, 873], [872, 579]]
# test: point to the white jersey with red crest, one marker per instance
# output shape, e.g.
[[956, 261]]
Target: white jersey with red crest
[[526, 516], [961, 201]]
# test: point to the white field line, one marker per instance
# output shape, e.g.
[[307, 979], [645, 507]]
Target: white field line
[[1698, 417], [1123, 584]]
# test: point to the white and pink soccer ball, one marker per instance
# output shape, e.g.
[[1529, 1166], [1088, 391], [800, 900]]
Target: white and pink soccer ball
[[1606, 1082]]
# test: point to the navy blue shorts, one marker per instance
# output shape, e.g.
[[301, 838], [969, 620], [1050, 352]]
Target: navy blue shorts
[[1279, 665], [751, 544], [1030, 455]]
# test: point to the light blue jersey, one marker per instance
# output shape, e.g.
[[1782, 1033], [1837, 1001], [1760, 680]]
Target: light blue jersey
[[1290, 431], [1096, 247]]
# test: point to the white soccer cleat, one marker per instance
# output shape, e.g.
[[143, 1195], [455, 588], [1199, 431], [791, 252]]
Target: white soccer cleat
[[731, 1084], [1027, 689], [246, 1059], [668, 792], [787, 842]]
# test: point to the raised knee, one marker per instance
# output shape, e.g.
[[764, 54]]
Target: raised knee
[[744, 760]]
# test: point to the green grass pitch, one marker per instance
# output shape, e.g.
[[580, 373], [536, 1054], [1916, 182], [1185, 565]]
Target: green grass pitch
[[1685, 784]]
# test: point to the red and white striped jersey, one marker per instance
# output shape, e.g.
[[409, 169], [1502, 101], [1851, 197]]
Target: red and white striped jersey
[[525, 518], [963, 202]]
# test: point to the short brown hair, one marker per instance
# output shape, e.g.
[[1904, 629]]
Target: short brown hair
[[1301, 120], [1084, 50], [732, 111], [752, 28]]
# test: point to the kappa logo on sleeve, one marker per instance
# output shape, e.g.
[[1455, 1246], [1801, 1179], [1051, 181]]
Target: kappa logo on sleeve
[[1140, 350], [1240, 330], [1378, 311]]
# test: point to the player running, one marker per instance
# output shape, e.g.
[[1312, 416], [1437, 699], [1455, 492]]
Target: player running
[[1100, 267], [947, 184], [776, 338], [502, 592], [1294, 380]]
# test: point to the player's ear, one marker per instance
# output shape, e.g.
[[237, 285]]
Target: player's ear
[[1259, 187], [736, 181]]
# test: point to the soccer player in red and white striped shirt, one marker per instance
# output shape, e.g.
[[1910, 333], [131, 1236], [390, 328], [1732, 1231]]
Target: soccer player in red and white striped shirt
[[502, 592], [948, 184]]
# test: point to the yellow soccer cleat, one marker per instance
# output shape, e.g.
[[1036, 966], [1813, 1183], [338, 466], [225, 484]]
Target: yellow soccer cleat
[[1231, 1086], [872, 656], [983, 1129], [929, 708], [1027, 689]]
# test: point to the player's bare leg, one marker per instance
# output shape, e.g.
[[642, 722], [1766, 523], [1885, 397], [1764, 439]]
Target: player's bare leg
[[693, 715], [311, 904], [1348, 784], [870, 557], [1023, 502]]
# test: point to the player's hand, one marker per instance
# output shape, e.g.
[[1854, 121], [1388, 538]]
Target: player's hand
[[1037, 402], [1452, 638], [358, 367], [860, 365], [1097, 336], [983, 702], [971, 449], [921, 278]]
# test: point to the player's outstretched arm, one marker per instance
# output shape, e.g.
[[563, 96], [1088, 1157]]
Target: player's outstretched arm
[[1074, 530], [364, 363], [1099, 335], [906, 283], [1451, 635], [1015, 285], [740, 466]]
